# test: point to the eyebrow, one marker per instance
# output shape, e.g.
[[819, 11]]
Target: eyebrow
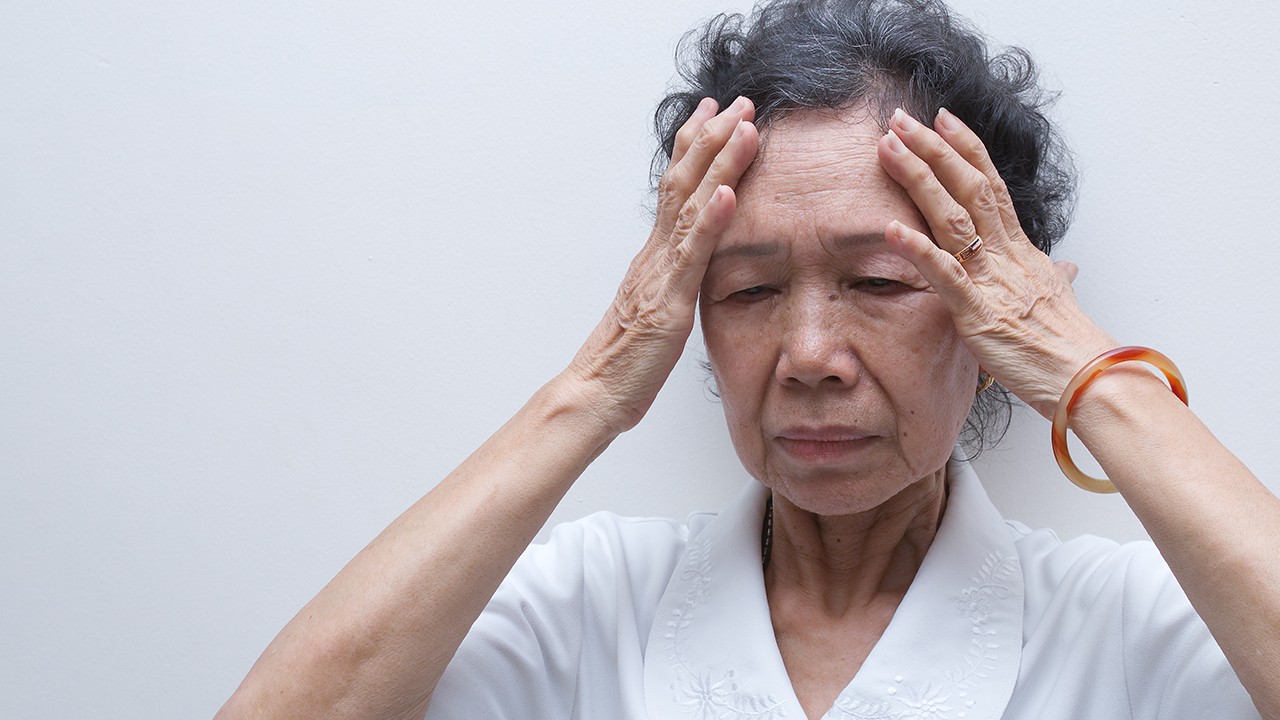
[[761, 249], [767, 248]]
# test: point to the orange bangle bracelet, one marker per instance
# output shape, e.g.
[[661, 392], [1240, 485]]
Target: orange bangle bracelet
[[1081, 381]]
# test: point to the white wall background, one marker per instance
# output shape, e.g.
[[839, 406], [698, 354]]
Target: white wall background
[[269, 271]]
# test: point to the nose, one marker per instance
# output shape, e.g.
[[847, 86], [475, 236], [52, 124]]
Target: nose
[[817, 347]]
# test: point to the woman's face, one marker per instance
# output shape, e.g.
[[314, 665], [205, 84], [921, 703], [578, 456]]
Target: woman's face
[[842, 377]]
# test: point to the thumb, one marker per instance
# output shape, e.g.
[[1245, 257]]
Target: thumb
[[1066, 270]]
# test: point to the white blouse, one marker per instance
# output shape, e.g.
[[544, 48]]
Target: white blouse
[[647, 618]]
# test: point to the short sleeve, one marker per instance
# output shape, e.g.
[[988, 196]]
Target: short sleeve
[[564, 635], [1173, 666], [1109, 633]]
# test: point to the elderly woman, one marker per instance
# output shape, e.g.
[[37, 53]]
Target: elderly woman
[[864, 261]]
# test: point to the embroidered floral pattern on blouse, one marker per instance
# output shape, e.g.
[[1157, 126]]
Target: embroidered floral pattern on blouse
[[946, 698], [708, 695], [715, 695]]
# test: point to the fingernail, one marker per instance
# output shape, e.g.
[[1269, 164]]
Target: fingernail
[[905, 121], [703, 104], [740, 103], [947, 121], [717, 196], [895, 143], [737, 130]]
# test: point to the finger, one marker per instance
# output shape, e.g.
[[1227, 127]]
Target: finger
[[730, 163], [965, 183], [684, 136], [947, 277], [967, 143], [709, 140], [1066, 270], [683, 178], [694, 251], [950, 223]]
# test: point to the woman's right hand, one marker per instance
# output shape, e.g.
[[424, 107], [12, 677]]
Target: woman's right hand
[[631, 352], [377, 639]]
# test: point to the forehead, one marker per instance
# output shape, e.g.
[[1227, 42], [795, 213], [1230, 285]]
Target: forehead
[[817, 172]]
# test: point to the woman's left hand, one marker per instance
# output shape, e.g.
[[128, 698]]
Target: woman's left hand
[[1016, 311], [1214, 522]]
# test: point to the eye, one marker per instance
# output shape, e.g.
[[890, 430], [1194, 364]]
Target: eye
[[878, 285], [753, 294]]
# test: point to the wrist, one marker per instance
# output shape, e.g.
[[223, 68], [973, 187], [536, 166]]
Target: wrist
[[1060, 367], [1123, 402], [1116, 394], [576, 404]]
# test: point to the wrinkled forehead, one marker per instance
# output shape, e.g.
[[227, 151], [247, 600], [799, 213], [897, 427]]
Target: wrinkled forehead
[[818, 170]]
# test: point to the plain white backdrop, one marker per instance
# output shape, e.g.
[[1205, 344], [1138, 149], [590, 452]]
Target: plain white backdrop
[[270, 270]]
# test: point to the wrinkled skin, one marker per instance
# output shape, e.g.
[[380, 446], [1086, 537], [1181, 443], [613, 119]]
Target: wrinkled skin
[[842, 375]]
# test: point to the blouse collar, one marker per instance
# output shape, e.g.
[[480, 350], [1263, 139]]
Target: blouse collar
[[951, 652]]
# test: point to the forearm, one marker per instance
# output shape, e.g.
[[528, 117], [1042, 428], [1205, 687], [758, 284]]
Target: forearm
[[375, 640], [1214, 522]]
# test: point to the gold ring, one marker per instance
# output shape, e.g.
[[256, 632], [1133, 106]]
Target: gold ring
[[972, 249]]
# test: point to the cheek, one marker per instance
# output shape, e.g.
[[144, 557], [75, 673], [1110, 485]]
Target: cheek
[[737, 342], [742, 367], [936, 384]]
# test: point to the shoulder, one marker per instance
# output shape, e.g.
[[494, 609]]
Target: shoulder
[[1096, 570], [1090, 572], [568, 626], [599, 569], [1098, 608], [1085, 561], [610, 544]]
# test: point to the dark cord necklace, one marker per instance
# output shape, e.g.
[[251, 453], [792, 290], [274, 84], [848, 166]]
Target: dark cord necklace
[[766, 534]]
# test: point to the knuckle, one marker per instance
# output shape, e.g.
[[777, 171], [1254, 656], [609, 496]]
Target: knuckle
[[652, 321], [671, 190], [706, 139], [972, 147], [959, 223], [667, 184], [984, 199], [687, 219], [627, 290], [999, 189], [647, 311], [686, 134], [934, 148], [717, 172], [682, 257], [956, 275], [919, 175], [633, 306]]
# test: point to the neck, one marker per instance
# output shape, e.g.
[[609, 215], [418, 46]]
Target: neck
[[848, 562]]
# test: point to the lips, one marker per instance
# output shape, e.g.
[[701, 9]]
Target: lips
[[825, 433], [823, 444]]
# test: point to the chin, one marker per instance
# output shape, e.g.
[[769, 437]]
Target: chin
[[833, 493], [845, 488]]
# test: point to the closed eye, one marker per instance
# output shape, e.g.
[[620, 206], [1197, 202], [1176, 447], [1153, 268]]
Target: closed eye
[[879, 286], [753, 294]]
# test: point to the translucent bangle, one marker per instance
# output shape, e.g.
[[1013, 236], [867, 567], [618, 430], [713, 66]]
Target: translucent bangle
[[1081, 381]]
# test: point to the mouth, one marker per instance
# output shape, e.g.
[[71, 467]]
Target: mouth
[[823, 444]]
